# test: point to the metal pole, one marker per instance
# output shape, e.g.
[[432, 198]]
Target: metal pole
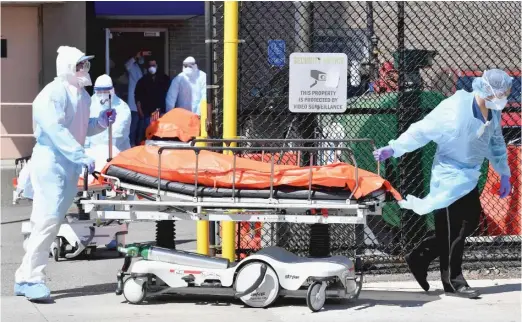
[[302, 17], [110, 129], [410, 168], [372, 39], [230, 62], [202, 226], [209, 52]]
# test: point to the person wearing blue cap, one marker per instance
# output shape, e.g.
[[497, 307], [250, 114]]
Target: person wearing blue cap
[[103, 92], [467, 129], [62, 122]]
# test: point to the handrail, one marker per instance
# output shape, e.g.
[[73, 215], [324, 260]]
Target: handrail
[[198, 149], [2, 104], [243, 140], [15, 104], [16, 135]]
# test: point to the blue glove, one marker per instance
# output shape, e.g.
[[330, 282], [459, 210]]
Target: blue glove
[[383, 153], [107, 117], [89, 163], [505, 186]]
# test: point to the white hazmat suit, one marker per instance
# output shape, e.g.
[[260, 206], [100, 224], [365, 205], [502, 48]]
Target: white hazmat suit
[[121, 127], [61, 117], [188, 89]]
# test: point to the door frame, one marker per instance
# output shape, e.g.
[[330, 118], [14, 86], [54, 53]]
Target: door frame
[[108, 32]]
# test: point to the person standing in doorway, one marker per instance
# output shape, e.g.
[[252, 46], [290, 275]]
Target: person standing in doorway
[[188, 89], [150, 95], [134, 70]]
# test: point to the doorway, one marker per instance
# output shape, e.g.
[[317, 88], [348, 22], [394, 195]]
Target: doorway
[[123, 44]]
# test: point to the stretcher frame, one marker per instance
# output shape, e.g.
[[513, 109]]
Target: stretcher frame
[[165, 205]]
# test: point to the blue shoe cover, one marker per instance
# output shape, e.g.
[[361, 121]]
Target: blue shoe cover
[[37, 291], [19, 289]]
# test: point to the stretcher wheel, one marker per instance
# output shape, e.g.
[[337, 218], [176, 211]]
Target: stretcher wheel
[[267, 291], [359, 270], [57, 250], [315, 297], [55, 254], [135, 290]]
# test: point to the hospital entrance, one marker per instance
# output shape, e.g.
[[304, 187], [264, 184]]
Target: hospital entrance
[[123, 44]]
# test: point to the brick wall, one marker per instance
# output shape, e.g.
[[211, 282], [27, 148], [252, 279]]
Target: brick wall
[[186, 38]]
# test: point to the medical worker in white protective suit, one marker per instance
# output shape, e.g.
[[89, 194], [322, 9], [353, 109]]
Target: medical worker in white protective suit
[[61, 116], [466, 128], [188, 89], [103, 87], [97, 146]]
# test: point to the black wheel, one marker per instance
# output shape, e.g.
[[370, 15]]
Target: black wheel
[[56, 254], [315, 298], [57, 249]]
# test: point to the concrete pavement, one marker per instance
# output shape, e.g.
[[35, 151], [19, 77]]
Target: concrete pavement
[[83, 290], [399, 301]]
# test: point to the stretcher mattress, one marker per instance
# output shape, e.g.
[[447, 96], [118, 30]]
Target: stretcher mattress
[[216, 170], [132, 177]]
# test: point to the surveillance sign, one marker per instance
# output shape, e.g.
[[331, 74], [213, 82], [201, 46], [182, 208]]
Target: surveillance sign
[[318, 82]]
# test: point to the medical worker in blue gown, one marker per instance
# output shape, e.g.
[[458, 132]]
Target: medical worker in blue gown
[[466, 128], [61, 116]]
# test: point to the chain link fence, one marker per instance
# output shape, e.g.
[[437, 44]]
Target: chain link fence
[[404, 59]]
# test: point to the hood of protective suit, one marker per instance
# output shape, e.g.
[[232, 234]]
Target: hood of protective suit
[[190, 72], [66, 62], [104, 83]]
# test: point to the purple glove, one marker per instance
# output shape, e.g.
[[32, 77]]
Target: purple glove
[[89, 163], [107, 117], [505, 186], [383, 153]]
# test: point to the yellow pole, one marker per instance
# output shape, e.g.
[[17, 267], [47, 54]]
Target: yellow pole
[[202, 226], [230, 105]]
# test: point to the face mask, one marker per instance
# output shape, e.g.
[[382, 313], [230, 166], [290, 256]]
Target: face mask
[[84, 79], [141, 60], [188, 71], [497, 104], [152, 70], [103, 97]]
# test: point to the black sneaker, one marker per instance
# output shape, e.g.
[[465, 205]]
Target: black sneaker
[[464, 292], [420, 273]]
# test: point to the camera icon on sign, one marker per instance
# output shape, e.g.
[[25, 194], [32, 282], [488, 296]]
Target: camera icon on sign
[[318, 76]]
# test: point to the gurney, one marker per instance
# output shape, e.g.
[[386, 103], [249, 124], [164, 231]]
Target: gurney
[[185, 181], [178, 180], [78, 234]]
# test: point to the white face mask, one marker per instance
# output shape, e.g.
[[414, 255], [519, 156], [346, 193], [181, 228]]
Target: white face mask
[[103, 98], [497, 104], [84, 79], [188, 71], [152, 70]]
